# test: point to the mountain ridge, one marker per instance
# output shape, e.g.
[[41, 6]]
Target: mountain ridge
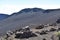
[[3, 16]]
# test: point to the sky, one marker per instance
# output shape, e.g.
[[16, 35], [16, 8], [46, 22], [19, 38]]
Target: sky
[[11, 6]]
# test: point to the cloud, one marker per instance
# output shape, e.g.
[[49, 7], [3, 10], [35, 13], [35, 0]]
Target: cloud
[[9, 9]]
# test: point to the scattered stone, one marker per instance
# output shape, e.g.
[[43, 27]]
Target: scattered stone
[[58, 29], [25, 35], [26, 32], [44, 38], [52, 29], [40, 27], [45, 25], [9, 33], [53, 24], [43, 32]]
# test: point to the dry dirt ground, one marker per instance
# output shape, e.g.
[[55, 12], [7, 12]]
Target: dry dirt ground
[[47, 36]]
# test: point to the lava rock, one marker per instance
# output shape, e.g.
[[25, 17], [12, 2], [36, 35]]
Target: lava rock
[[43, 32], [40, 27], [52, 29]]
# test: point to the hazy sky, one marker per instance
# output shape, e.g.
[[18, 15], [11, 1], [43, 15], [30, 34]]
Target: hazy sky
[[10, 6]]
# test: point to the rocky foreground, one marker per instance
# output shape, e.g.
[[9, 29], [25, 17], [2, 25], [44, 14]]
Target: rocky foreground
[[41, 32]]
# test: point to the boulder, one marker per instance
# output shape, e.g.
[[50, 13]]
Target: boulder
[[25, 35], [52, 29], [43, 32], [40, 27]]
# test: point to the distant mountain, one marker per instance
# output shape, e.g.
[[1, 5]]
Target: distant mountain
[[31, 9], [29, 16], [3, 16], [27, 10]]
